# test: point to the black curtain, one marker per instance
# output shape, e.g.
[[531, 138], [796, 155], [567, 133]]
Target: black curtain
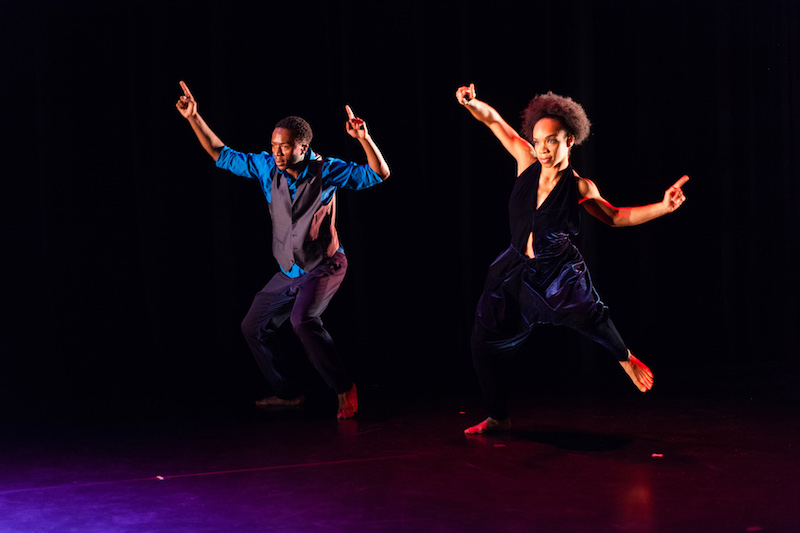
[[129, 259]]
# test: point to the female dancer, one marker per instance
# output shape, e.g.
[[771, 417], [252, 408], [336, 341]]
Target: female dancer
[[542, 278]]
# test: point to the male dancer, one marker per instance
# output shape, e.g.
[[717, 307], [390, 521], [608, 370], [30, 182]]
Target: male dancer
[[300, 188]]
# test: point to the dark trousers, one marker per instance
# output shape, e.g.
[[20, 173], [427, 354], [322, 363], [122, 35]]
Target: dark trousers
[[302, 300], [512, 305]]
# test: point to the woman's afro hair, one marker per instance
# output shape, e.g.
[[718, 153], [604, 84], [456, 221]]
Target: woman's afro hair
[[564, 108], [300, 128]]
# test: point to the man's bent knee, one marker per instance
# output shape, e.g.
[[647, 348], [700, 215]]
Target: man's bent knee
[[305, 324]]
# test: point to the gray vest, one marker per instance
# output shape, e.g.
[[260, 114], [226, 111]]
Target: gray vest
[[303, 229]]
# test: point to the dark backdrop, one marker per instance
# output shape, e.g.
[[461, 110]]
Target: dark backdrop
[[129, 259]]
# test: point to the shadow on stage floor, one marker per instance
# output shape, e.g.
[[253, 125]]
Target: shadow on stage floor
[[571, 463]]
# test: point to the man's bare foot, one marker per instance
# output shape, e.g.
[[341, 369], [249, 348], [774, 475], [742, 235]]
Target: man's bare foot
[[274, 401], [641, 376], [490, 425], [348, 403]]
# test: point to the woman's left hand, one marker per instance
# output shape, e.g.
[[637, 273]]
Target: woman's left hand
[[674, 197]]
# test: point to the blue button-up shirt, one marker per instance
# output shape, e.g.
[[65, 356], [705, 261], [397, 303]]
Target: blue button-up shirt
[[335, 174]]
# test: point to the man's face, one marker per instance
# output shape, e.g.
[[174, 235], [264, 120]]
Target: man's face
[[286, 149]]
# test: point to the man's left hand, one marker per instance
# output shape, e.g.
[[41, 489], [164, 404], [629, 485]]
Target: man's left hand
[[356, 128]]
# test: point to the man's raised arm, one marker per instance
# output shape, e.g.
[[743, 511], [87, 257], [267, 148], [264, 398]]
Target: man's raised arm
[[357, 129], [187, 107]]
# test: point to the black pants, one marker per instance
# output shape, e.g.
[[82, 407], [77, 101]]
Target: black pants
[[521, 293], [302, 300]]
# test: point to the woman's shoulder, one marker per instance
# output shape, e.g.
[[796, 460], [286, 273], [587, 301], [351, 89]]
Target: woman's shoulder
[[533, 168]]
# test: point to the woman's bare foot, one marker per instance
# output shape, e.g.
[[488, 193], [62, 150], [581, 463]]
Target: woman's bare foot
[[348, 403], [490, 425], [641, 376], [274, 401]]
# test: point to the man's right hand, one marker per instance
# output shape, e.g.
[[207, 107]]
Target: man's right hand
[[187, 106]]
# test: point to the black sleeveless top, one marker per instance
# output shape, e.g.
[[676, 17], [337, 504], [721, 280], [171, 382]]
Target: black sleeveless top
[[555, 220], [555, 286]]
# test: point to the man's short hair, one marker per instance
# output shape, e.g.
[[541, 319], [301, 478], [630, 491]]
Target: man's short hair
[[298, 126]]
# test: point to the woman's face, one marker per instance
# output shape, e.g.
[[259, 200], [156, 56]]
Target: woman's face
[[551, 143]]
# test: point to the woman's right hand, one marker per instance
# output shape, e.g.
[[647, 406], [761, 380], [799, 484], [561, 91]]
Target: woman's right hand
[[465, 95]]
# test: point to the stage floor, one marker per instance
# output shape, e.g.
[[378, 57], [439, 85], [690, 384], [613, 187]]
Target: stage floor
[[595, 464]]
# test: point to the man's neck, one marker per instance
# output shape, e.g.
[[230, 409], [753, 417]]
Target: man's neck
[[295, 170]]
